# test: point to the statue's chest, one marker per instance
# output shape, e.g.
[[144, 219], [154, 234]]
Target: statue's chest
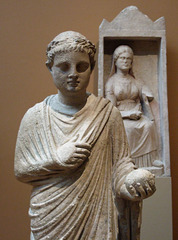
[[126, 90]]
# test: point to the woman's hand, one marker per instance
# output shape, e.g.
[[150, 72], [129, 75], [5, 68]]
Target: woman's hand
[[138, 185], [135, 115], [74, 153], [132, 114]]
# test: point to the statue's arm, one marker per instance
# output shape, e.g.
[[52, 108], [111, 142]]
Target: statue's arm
[[128, 182], [147, 92], [109, 91], [33, 160], [146, 98], [122, 162], [37, 158], [133, 114]]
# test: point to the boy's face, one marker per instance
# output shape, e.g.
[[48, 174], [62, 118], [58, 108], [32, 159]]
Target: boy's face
[[71, 72]]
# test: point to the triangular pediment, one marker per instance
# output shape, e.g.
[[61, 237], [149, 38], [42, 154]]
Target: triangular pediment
[[132, 18]]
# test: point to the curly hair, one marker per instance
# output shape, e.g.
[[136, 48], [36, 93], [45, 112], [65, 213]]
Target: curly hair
[[67, 42]]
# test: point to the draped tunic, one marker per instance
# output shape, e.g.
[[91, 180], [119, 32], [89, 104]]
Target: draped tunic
[[129, 96], [73, 202]]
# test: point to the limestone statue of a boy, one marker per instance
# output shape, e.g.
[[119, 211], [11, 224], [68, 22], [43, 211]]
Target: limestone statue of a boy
[[72, 148]]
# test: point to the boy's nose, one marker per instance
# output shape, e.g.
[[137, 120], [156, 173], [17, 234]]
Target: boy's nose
[[73, 76]]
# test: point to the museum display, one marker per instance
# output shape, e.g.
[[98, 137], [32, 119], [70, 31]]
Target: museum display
[[72, 148], [140, 90], [130, 96]]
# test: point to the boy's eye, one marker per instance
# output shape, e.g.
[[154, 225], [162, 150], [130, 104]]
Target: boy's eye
[[64, 66], [82, 67]]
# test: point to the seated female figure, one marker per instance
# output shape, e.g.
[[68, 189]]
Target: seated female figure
[[132, 99]]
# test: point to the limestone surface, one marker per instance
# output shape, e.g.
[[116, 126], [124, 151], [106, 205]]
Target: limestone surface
[[147, 39], [132, 98], [72, 148]]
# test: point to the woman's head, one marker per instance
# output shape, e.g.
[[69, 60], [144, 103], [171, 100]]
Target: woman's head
[[122, 49], [70, 42], [118, 55]]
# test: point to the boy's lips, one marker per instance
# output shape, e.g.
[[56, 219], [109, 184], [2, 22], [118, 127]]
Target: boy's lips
[[73, 83]]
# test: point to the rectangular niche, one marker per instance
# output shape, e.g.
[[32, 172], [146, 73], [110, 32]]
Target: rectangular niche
[[148, 42]]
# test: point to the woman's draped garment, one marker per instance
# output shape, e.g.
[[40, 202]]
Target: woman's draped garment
[[141, 133], [79, 202]]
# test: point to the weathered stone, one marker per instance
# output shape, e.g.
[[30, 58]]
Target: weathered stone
[[148, 41], [132, 98], [72, 148]]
